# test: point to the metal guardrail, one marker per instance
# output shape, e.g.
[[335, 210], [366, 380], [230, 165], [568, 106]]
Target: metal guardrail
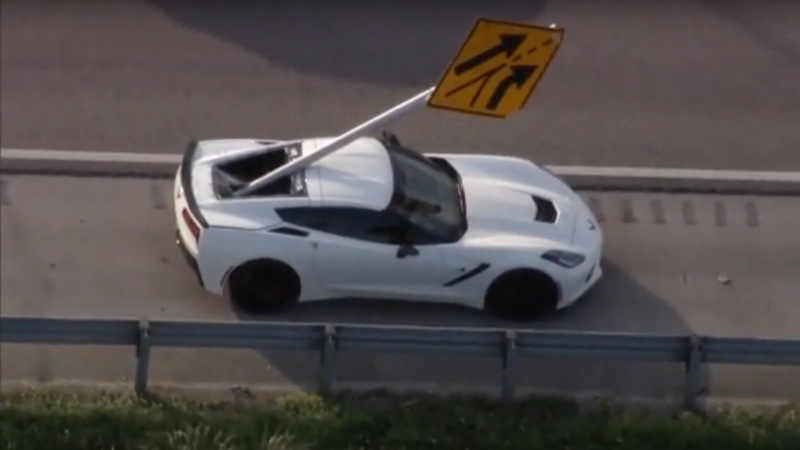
[[329, 340]]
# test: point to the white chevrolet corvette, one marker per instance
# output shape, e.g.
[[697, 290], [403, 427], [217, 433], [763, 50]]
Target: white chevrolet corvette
[[377, 220]]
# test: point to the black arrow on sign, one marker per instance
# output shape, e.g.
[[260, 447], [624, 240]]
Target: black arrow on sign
[[483, 78], [509, 43], [519, 76]]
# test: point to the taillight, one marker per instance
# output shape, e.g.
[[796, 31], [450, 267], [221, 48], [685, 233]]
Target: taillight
[[193, 228]]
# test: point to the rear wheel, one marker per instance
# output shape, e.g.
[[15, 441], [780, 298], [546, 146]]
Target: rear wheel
[[263, 287], [522, 295]]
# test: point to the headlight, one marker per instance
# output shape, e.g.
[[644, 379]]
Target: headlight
[[564, 258]]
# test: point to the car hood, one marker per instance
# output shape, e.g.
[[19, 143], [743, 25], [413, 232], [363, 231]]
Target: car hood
[[500, 192]]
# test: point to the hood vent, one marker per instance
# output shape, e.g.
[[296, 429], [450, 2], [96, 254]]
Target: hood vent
[[545, 210]]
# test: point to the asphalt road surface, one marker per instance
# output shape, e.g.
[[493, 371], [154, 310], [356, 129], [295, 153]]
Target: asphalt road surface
[[83, 247], [686, 83]]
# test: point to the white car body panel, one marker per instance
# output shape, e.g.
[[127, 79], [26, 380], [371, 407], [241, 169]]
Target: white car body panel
[[356, 175], [501, 235]]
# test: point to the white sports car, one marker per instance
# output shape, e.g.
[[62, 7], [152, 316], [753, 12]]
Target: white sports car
[[377, 220]]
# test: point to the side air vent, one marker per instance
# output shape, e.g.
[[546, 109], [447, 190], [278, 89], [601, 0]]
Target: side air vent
[[545, 210], [290, 231]]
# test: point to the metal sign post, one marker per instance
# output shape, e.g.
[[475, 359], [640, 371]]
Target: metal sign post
[[306, 160]]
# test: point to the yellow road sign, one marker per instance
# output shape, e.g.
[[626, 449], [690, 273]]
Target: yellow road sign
[[497, 68]]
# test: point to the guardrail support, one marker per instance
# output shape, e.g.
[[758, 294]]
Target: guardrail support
[[694, 374], [142, 357], [510, 363], [328, 359]]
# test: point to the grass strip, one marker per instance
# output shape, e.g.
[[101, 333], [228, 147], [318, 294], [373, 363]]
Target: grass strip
[[53, 420]]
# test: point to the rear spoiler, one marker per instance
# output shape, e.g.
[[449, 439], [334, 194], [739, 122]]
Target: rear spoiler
[[186, 182]]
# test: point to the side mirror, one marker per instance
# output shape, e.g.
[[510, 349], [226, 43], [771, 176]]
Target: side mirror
[[390, 138], [406, 249]]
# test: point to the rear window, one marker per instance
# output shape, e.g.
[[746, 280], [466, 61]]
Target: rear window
[[228, 177]]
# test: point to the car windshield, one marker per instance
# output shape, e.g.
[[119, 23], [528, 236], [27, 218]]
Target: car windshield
[[426, 195]]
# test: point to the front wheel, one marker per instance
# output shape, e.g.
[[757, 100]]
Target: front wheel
[[522, 295], [263, 287]]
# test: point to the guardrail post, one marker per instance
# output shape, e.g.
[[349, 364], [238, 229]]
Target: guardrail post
[[142, 357], [510, 362], [328, 358], [694, 374]]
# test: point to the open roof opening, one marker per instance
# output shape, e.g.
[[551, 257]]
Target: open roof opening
[[230, 176]]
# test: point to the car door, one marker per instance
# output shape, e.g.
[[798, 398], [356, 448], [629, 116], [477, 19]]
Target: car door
[[355, 255]]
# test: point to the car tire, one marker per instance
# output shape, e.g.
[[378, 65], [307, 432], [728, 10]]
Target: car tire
[[522, 295], [263, 287]]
